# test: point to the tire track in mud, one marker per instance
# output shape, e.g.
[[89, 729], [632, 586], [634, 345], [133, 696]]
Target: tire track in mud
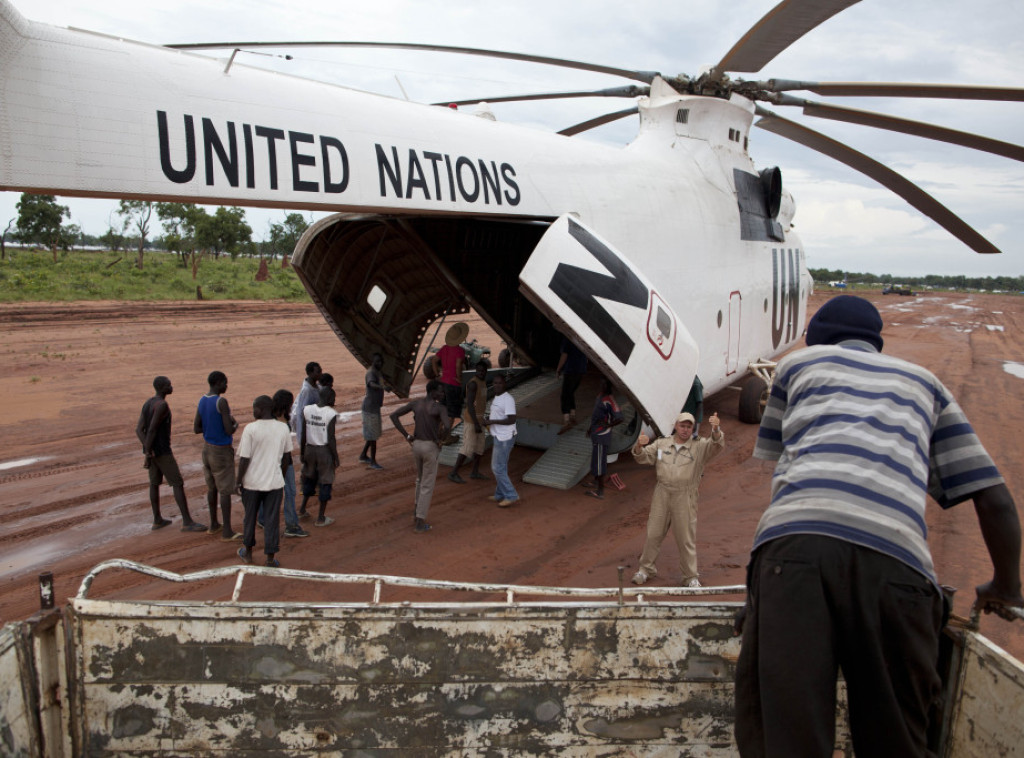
[[136, 312], [135, 511]]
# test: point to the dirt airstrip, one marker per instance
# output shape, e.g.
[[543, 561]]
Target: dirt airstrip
[[73, 491]]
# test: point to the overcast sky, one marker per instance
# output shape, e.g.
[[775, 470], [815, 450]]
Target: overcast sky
[[845, 220]]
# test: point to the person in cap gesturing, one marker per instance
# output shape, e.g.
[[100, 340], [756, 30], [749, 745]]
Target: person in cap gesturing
[[679, 464]]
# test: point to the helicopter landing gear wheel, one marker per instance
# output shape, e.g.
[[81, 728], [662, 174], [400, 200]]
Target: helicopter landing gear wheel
[[753, 399]]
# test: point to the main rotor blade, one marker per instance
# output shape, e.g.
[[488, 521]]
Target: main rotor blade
[[884, 175], [641, 76], [778, 29], [898, 89], [906, 126], [599, 121], [629, 91]]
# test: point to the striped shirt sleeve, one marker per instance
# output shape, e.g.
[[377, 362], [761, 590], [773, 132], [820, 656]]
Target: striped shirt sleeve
[[959, 465]]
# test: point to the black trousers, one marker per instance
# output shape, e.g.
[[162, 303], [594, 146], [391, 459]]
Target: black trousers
[[570, 383], [270, 502], [816, 605]]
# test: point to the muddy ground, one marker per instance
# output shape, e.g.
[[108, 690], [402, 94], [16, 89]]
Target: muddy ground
[[73, 491]]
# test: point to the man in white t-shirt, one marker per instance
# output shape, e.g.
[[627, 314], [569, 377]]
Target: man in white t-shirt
[[319, 453], [264, 455], [502, 424]]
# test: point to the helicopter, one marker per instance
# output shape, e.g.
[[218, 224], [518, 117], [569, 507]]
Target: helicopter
[[666, 259]]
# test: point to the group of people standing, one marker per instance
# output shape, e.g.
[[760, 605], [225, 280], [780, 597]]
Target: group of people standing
[[840, 576], [431, 426], [265, 474], [441, 408]]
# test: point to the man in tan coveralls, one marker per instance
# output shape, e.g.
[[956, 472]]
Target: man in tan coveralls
[[679, 463]]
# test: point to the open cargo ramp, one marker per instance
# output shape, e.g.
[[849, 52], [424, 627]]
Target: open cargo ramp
[[567, 460]]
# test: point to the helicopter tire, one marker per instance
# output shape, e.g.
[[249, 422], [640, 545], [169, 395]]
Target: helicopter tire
[[753, 398], [505, 358]]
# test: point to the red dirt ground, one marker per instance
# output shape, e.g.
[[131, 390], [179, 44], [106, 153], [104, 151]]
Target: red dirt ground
[[75, 375]]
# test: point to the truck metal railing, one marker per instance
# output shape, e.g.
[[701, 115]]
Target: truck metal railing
[[380, 581]]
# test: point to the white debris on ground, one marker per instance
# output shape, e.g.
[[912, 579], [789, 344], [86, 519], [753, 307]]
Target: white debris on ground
[[21, 462], [961, 327], [1017, 369]]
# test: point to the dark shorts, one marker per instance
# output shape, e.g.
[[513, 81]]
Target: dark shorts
[[219, 468], [453, 394], [165, 467], [599, 457], [309, 488], [318, 466]]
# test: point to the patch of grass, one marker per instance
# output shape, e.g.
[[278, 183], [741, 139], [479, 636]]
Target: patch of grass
[[31, 275]]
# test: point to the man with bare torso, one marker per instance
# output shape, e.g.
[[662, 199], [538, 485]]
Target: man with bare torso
[[154, 432]]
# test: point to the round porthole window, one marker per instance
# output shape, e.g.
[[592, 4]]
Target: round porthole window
[[766, 305], [719, 319]]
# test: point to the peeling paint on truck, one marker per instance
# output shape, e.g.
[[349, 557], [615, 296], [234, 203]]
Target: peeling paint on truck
[[567, 678]]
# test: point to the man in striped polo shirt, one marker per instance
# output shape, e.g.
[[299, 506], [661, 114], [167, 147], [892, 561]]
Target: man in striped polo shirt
[[841, 575]]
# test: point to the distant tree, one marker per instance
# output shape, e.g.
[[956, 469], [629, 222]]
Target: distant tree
[[112, 239], [228, 232], [180, 221], [285, 236], [137, 213], [40, 218], [70, 235], [274, 244], [3, 239]]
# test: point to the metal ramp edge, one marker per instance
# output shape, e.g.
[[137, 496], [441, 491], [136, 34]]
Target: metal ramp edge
[[567, 459], [563, 464]]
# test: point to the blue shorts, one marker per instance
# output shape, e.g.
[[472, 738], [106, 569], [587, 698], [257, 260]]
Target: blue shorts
[[599, 457]]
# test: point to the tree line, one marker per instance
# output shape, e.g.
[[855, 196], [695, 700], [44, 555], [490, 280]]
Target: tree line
[[953, 282], [193, 232], [188, 230]]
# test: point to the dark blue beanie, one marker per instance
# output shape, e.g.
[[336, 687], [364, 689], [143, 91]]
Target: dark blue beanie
[[845, 317]]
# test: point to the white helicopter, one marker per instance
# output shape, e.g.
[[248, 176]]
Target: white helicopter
[[670, 258]]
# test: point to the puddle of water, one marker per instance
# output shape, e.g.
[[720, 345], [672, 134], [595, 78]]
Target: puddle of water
[[995, 327], [35, 556], [22, 462], [1017, 369]]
